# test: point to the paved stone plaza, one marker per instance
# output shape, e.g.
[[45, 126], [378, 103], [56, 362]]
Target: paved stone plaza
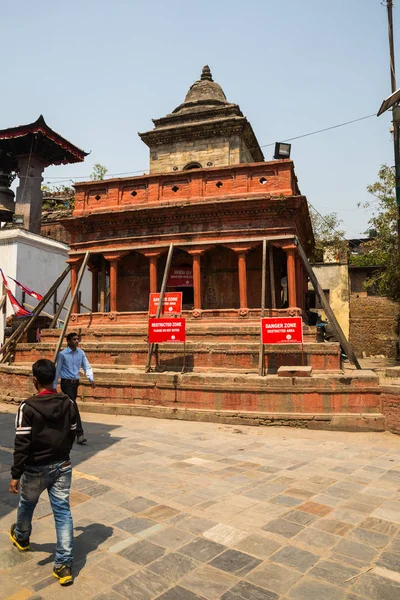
[[188, 511]]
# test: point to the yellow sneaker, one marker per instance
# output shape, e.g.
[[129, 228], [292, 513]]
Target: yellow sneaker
[[63, 574], [22, 545]]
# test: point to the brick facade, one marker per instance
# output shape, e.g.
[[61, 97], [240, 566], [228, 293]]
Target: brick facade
[[373, 325]]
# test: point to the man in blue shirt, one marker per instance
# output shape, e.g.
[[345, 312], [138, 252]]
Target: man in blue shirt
[[69, 363]]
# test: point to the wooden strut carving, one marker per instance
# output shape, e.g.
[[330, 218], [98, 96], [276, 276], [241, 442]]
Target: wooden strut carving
[[326, 306]]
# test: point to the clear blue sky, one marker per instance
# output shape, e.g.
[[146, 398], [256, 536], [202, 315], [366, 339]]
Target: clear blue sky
[[99, 71]]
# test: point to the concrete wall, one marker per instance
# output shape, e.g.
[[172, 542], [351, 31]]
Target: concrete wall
[[35, 262], [334, 277], [373, 325]]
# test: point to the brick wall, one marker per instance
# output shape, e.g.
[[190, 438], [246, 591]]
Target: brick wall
[[373, 325], [391, 407]]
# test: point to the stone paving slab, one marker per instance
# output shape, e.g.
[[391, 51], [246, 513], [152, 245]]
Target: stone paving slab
[[173, 510]]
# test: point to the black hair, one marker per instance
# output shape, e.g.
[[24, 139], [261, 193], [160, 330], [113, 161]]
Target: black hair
[[70, 336], [44, 370]]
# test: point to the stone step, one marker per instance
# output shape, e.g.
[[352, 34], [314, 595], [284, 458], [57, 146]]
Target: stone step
[[393, 372], [356, 393], [215, 356], [195, 332]]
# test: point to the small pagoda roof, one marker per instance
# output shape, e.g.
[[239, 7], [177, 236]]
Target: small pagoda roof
[[39, 139]]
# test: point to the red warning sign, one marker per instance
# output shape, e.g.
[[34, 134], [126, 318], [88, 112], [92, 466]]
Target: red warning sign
[[172, 303], [282, 330], [167, 330]]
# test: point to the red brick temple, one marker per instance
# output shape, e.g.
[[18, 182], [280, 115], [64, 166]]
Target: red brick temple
[[211, 194]]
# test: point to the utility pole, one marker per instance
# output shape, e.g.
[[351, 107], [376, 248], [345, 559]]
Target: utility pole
[[395, 112], [389, 6]]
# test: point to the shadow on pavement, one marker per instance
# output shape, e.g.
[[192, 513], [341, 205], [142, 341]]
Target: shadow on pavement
[[90, 538], [99, 437]]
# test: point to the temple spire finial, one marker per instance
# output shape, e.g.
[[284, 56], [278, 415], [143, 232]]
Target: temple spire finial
[[206, 74]]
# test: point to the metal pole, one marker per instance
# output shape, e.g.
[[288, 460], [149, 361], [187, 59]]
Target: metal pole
[[396, 124], [326, 306], [69, 311], [160, 302], [272, 275], [263, 277], [18, 333], [60, 307]]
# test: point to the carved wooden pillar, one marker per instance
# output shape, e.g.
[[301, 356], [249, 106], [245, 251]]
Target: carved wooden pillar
[[242, 278], [197, 291], [75, 263], [291, 276], [153, 256], [114, 258], [241, 251]]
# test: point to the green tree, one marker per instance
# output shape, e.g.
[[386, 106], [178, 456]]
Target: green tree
[[330, 240], [382, 249], [99, 172], [58, 197]]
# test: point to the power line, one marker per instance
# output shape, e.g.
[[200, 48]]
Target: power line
[[61, 179], [332, 228], [298, 137]]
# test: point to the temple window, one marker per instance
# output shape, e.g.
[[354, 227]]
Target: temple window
[[192, 165]]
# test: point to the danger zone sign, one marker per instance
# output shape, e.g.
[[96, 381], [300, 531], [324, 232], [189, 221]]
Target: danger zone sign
[[282, 330], [172, 303]]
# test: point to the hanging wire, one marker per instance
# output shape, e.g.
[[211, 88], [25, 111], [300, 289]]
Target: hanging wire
[[61, 179]]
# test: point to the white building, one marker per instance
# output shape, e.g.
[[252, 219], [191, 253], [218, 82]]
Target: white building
[[36, 262]]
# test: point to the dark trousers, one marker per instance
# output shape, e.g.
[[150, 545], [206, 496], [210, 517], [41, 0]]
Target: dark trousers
[[71, 389]]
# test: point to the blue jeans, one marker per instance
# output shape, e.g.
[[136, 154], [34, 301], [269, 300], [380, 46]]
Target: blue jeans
[[56, 479]]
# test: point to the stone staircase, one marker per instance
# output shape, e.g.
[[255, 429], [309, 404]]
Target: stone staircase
[[221, 381]]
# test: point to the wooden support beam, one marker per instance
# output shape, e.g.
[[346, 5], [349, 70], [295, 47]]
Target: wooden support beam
[[327, 308], [73, 298], [19, 332], [263, 278], [160, 303], [56, 317], [46, 314]]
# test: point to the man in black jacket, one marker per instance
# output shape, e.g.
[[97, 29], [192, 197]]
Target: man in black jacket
[[45, 431]]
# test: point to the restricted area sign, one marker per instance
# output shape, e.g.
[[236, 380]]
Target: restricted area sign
[[167, 330], [282, 330], [180, 277], [172, 303]]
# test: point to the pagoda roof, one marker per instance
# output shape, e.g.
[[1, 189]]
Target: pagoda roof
[[205, 108], [39, 139]]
